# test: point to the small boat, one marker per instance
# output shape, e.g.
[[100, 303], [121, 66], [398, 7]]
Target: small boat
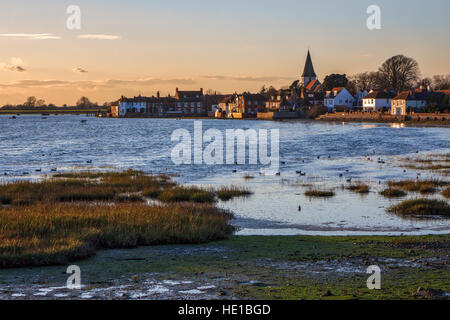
[[83, 121], [13, 117]]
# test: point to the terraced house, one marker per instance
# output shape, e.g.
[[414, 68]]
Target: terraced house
[[183, 103], [411, 100]]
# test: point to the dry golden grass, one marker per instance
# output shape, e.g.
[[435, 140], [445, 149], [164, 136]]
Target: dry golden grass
[[393, 193], [46, 234], [437, 162], [421, 207], [81, 186], [319, 193], [358, 188], [71, 215], [227, 193], [422, 186]]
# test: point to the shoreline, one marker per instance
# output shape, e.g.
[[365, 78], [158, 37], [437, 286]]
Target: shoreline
[[249, 267]]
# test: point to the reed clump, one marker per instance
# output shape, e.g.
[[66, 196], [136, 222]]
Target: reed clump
[[359, 188], [226, 193], [421, 207], [314, 193], [393, 193], [422, 186]]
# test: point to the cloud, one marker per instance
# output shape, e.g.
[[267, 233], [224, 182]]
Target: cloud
[[16, 68], [94, 84], [15, 65], [31, 36], [247, 78], [79, 70], [99, 37]]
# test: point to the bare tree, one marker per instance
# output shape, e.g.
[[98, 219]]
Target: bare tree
[[40, 103], [84, 102], [366, 81], [441, 82], [399, 73], [31, 102]]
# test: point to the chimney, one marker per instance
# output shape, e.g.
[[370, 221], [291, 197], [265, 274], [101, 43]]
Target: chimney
[[176, 90], [158, 94], [201, 90]]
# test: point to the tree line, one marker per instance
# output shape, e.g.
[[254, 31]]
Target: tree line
[[398, 73], [33, 102]]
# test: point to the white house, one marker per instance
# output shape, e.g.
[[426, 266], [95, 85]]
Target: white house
[[338, 97], [359, 96], [138, 104], [377, 100], [416, 99]]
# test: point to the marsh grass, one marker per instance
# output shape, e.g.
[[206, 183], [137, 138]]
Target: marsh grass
[[127, 186], [226, 193], [186, 194], [47, 234], [393, 193], [313, 193], [358, 188], [421, 207], [422, 186], [71, 215], [430, 163]]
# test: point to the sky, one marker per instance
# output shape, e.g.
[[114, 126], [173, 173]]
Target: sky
[[131, 47]]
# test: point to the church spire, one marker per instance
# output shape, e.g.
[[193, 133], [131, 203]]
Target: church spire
[[309, 69]]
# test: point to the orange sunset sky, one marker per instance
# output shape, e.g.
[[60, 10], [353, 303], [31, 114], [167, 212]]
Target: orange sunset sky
[[132, 47]]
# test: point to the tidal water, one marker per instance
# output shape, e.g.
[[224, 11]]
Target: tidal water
[[30, 147]]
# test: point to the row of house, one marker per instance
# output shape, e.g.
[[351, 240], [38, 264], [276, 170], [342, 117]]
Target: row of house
[[181, 104], [307, 93], [401, 103]]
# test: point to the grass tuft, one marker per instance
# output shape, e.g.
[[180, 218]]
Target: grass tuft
[[422, 186], [319, 193], [393, 193], [421, 207], [227, 193], [359, 188]]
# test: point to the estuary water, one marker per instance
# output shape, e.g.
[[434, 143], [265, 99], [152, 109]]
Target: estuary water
[[328, 153]]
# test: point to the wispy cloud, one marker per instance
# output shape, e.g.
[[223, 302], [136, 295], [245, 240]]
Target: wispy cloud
[[99, 37], [31, 36], [247, 78], [16, 68], [94, 84], [79, 70]]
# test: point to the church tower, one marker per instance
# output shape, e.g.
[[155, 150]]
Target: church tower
[[308, 73]]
